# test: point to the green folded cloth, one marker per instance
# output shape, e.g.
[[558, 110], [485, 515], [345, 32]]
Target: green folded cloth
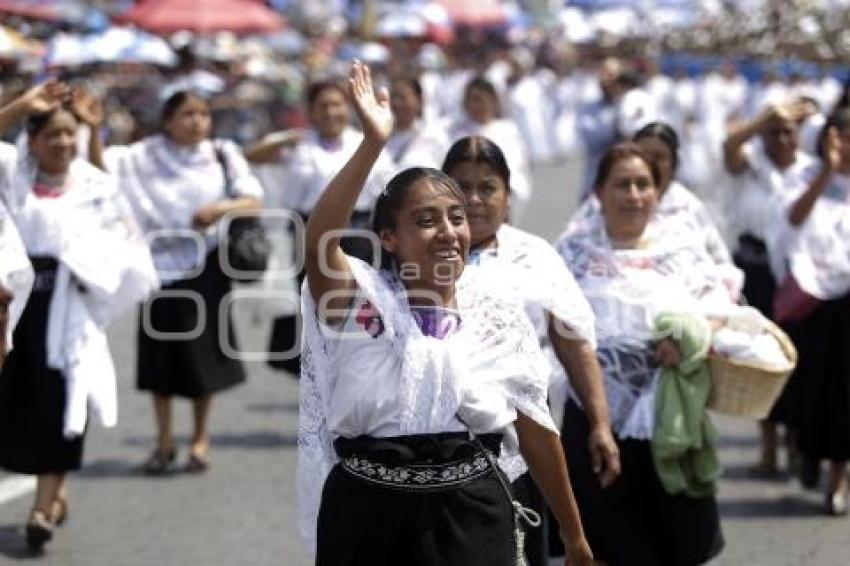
[[683, 436]]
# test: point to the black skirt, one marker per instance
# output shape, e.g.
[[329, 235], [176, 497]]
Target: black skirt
[[196, 367], [363, 523], [821, 381], [635, 522], [32, 395]]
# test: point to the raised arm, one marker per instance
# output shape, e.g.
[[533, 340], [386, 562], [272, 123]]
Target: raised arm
[[803, 206], [267, 150], [326, 265], [37, 100], [89, 110], [733, 148]]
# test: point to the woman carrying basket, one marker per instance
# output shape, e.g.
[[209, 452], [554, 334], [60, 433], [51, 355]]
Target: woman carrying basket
[[636, 277]]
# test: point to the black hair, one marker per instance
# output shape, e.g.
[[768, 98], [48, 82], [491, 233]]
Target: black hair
[[391, 200], [664, 133], [317, 88], [482, 84], [412, 82], [620, 151], [478, 149], [37, 122], [840, 120], [175, 101]]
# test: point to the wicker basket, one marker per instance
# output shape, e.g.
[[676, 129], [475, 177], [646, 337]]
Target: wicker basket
[[747, 390]]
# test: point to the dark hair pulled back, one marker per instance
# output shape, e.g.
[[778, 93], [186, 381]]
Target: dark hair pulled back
[[478, 149]]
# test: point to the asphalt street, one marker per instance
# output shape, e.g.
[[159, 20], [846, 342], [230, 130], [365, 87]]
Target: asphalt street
[[242, 512]]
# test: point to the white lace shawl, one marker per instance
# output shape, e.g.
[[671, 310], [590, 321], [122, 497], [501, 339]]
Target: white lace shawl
[[485, 372], [680, 209], [628, 289]]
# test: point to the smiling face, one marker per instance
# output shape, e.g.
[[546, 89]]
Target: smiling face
[[628, 197], [190, 124], [430, 240], [54, 146], [329, 113], [487, 200]]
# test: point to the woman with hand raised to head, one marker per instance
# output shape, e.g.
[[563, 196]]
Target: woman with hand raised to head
[[413, 377]]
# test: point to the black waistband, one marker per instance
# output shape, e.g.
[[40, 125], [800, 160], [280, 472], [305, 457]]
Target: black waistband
[[416, 449]]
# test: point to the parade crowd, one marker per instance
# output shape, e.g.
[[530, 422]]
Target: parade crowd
[[470, 393]]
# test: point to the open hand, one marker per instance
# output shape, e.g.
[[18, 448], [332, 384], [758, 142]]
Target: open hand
[[45, 97], [832, 148], [796, 111], [87, 108], [373, 110]]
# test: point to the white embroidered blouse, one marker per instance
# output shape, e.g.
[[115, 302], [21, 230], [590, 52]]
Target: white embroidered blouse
[[379, 375], [167, 183], [628, 289]]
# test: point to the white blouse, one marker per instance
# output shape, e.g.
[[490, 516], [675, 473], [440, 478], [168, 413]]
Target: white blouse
[[381, 376], [755, 199], [305, 171], [418, 146], [167, 183], [16, 274], [628, 289]]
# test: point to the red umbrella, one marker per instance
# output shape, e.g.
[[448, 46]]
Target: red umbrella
[[38, 9], [204, 16], [476, 13]]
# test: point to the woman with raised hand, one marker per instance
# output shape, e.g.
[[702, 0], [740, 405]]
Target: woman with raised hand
[[91, 263], [181, 184], [635, 276], [817, 257], [531, 268], [412, 376]]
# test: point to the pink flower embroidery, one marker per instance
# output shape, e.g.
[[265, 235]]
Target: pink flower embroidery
[[369, 318]]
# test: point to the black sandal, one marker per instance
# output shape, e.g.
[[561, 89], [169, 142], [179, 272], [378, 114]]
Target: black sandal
[[197, 463], [39, 530], [160, 463]]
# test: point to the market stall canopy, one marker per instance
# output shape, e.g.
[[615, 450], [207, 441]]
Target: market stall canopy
[[204, 16]]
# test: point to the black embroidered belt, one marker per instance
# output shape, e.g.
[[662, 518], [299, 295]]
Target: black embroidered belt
[[417, 477]]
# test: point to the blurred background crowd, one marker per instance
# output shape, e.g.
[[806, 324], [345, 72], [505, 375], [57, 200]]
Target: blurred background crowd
[[255, 58]]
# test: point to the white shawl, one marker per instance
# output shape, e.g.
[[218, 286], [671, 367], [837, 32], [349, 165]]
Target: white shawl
[[628, 289], [488, 370], [16, 273], [104, 268], [681, 210]]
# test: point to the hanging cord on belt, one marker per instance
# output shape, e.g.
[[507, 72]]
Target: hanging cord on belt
[[521, 513]]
